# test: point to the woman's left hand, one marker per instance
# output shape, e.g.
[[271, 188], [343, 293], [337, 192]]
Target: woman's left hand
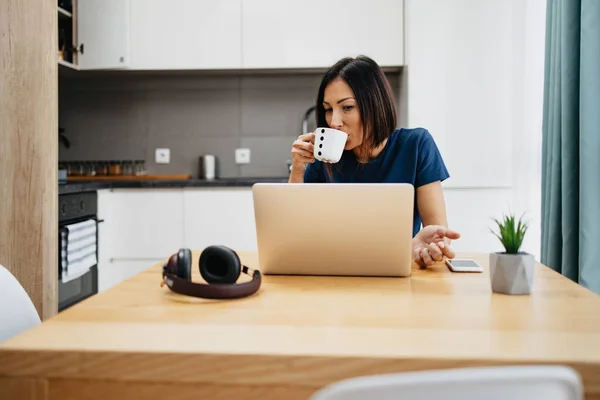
[[432, 243]]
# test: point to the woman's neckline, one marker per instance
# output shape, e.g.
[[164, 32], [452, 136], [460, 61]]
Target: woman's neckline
[[378, 156]]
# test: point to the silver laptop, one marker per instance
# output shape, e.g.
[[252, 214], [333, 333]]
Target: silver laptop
[[334, 229]]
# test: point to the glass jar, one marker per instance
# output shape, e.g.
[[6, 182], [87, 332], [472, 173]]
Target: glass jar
[[140, 167], [115, 168], [127, 168], [77, 168], [90, 168]]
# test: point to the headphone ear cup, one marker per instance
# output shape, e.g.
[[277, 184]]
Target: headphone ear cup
[[219, 264], [184, 264]]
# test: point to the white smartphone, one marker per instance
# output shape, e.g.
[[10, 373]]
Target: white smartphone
[[463, 265]]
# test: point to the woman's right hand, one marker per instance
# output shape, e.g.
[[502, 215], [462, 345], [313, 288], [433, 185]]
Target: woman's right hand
[[302, 152]]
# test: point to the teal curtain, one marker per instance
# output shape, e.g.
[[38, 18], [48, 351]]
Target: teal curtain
[[570, 242]]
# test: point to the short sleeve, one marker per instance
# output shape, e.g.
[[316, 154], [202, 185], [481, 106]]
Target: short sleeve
[[314, 173], [430, 165]]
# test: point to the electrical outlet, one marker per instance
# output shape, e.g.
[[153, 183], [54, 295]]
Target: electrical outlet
[[242, 156], [163, 156]]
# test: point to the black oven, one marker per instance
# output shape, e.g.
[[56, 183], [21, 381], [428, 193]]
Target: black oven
[[74, 208]]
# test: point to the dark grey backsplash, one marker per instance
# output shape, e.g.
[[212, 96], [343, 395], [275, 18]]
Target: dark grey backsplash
[[125, 116]]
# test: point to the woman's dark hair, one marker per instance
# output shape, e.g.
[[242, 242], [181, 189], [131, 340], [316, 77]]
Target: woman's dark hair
[[373, 94]]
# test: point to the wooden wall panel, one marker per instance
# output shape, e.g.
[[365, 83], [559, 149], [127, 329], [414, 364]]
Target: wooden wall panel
[[29, 147]]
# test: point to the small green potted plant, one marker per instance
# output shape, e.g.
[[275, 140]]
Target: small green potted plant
[[511, 271]]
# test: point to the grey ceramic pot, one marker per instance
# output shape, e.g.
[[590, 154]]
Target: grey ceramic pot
[[511, 273]]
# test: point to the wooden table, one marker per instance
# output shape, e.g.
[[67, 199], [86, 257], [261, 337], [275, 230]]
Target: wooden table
[[139, 340]]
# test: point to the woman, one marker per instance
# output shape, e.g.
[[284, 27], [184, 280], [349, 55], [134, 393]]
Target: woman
[[355, 97]]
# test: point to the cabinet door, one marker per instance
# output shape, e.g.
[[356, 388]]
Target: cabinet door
[[103, 31], [185, 34], [147, 223], [113, 272], [223, 216], [107, 275], [316, 33]]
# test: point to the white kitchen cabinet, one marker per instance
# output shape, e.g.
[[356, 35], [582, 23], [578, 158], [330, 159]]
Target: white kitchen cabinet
[[109, 274], [144, 224], [113, 272], [316, 33], [237, 34], [185, 34], [103, 34], [140, 228], [219, 216]]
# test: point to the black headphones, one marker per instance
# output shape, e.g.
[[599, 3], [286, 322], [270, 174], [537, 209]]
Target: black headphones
[[220, 266]]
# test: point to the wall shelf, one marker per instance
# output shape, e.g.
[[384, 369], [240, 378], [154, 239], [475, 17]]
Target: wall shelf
[[67, 35]]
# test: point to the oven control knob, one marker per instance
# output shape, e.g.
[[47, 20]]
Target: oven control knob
[[63, 208], [81, 205]]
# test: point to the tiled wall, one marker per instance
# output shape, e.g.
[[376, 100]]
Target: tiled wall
[[126, 116]]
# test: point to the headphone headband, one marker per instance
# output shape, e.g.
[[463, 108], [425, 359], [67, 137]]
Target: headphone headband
[[214, 290], [220, 267]]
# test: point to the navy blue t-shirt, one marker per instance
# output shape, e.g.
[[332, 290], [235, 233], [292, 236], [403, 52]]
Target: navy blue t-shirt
[[409, 156]]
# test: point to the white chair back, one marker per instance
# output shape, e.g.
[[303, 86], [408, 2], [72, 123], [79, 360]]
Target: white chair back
[[17, 312], [489, 383]]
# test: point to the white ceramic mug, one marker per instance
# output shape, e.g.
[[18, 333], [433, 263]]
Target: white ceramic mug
[[329, 144]]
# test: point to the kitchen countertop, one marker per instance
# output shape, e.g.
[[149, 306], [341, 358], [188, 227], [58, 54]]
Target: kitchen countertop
[[297, 334], [76, 187]]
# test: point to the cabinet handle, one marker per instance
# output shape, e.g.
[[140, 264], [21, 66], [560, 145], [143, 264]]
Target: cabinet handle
[[78, 50]]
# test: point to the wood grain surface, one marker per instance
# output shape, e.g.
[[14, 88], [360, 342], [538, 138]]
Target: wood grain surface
[[29, 148], [299, 333]]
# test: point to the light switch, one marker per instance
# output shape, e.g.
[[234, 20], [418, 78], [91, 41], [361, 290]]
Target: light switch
[[163, 156], [242, 156]]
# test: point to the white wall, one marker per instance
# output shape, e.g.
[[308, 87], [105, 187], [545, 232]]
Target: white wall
[[475, 80]]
